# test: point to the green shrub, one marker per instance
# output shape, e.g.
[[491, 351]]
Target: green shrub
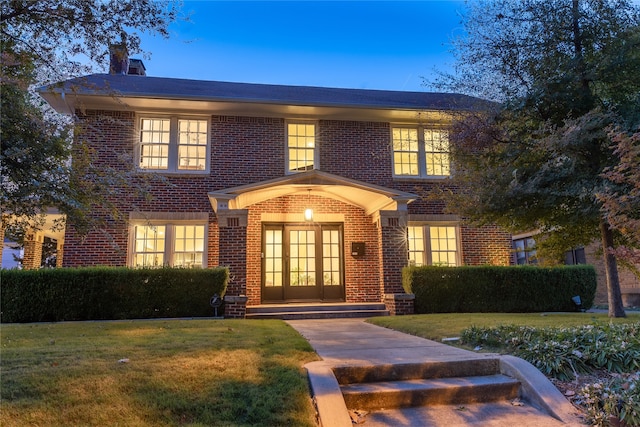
[[100, 293], [489, 289], [564, 352]]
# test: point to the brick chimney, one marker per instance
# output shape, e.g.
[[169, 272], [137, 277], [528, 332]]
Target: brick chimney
[[119, 59]]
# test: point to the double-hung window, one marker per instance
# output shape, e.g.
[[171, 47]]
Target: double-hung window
[[433, 245], [173, 144], [420, 152], [301, 147], [176, 245]]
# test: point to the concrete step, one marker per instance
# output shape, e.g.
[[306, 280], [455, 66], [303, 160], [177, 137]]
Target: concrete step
[[315, 311], [349, 374], [492, 414], [423, 392]]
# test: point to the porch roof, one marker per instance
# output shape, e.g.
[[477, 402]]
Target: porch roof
[[371, 198]]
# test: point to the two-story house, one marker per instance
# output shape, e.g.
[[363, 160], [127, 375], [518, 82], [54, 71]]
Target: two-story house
[[305, 193]]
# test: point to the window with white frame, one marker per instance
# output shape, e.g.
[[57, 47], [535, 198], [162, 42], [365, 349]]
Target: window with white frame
[[420, 152], [301, 147], [173, 144], [433, 245], [176, 245]]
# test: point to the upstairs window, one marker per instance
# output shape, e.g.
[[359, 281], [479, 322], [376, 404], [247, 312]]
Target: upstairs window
[[433, 245], [420, 152], [301, 147], [173, 144]]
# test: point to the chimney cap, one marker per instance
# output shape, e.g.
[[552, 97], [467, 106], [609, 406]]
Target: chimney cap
[[136, 67]]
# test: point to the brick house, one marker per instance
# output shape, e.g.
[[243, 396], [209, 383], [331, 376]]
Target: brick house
[[305, 193]]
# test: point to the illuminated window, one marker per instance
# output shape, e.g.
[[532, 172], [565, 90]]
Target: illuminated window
[[149, 246], [301, 147], [154, 144], [192, 144], [175, 245], [173, 144], [420, 152], [188, 247], [433, 245], [436, 143], [405, 151]]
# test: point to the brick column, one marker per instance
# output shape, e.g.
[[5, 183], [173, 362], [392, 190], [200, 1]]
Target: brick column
[[1, 239], [393, 258], [233, 255], [32, 250], [59, 255]]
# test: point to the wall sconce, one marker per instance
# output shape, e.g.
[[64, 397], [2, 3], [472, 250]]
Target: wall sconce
[[308, 212]]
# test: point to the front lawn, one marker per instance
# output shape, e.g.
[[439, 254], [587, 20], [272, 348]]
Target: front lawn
[[155, 373]]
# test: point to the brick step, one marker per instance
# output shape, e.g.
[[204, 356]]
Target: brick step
[[323, 314], [349, 374], [316, 311], [334, 306], [439, 391]]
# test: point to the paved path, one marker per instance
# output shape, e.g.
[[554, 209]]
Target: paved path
[[353, 341]]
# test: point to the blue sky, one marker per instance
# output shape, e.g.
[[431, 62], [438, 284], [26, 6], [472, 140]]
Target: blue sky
[[360, 44]]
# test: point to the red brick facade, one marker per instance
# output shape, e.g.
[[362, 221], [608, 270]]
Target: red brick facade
[[249, 150]]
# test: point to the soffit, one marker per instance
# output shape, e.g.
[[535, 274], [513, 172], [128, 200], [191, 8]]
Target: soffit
[[368, 197], [71, 102]]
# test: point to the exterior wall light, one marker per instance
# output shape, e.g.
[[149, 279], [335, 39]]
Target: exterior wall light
[[308, 214]]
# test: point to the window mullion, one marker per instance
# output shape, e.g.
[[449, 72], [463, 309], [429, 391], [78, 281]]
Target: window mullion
[[427, 244], [173, 144], [422, 155], [169, 244]]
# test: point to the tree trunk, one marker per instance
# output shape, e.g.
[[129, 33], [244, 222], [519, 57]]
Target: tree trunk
[[611, 267]]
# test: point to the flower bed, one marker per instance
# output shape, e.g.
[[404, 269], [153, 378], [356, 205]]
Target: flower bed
[[607, 356]]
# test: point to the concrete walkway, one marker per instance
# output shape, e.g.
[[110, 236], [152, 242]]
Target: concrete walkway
[[353, 342]]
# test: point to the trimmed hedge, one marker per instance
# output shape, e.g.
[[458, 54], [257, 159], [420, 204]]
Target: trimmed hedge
[[101, 293], [488, 289]]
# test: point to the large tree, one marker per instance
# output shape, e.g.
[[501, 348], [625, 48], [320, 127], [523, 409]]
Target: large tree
[[563, 74], [42, 42]]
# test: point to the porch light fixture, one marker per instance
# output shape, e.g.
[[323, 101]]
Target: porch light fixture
[[308, 212]]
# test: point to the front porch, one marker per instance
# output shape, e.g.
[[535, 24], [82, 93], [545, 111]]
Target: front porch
[[312, 238]]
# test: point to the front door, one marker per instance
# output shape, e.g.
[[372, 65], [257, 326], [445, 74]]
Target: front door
[[302, 262]]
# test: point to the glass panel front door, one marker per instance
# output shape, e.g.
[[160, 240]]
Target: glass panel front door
[[302, 262]]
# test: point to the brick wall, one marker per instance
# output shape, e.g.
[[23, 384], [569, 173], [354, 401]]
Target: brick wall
[[486, 245], [251, 149]]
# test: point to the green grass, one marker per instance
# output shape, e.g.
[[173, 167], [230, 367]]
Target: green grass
[[179, 372], [438, 326]]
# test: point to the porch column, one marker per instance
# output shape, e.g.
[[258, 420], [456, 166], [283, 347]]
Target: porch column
[[393, 258], [59, 254], [233, 254], [32, 250], [1, 238]]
